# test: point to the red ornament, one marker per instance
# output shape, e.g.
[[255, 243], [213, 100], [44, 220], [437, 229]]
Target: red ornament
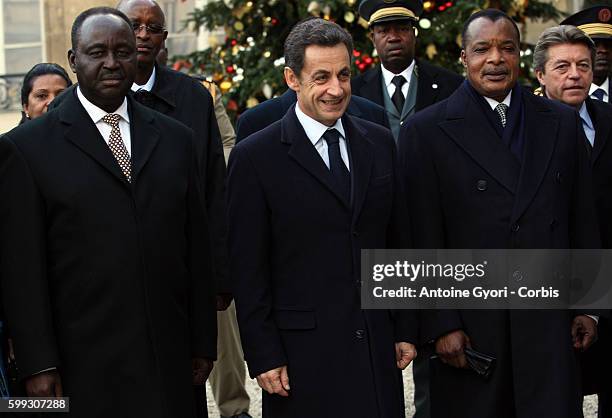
[[234, 42], [361, 67], [449, 4], [274, 21], [230, 69], [356, 53], [441, 8], [357, 62], [367, 60], [232, 105]]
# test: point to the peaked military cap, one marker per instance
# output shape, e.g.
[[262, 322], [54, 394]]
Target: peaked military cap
[[378, 11], [595, 21]]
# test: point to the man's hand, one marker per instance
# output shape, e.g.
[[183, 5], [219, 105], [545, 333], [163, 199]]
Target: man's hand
[[275, 381], [224, 300], [584, 332], [404, 354], [450, 349], [44, 385], [201, 369]]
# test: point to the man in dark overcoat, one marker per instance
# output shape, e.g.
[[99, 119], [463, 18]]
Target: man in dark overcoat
[[495, 167], [106, 266], [306, 194]]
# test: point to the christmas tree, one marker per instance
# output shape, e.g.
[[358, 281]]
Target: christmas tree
[[248, 64]]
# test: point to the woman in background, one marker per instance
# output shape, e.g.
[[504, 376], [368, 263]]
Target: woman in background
[[40, 86]]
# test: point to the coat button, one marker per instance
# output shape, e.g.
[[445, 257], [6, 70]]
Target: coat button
[[553, 223], [481, 185], [515, 228], [517, 276], [355, 233], [559, 177], [360, 334]]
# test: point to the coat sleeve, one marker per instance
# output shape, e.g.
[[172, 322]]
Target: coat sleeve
[[203, 314], [426, 217], [214, 176], [23, 264], [249, 242]]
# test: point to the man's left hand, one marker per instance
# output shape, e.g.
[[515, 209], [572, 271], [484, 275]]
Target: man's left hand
[[404, 354], [201, 369], [584, 332]]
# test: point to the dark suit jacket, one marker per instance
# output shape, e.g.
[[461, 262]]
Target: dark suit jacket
[[270, 111], [467, 190], [106, 280], [295, 250], [369, 84]]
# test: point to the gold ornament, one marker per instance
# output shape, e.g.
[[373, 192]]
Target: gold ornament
[[225, 86], [431, 51], [458, 40], [239, 26], [251, 102], [314, 8], [349, 17], [350, 2]]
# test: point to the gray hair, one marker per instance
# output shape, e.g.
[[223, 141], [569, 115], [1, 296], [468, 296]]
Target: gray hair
[[557, 35], [313, 31]]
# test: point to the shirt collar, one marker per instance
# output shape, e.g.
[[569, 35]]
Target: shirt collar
[[605, 86], [584, 115], [493, 103], [148, 86], [315, 129], [96, 114], [388, 75]]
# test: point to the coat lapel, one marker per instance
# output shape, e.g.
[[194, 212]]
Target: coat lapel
[[305, 154], [541, 125], [603, 128], [82, 132], [372, 89], [362, 157], [144, 136], [470, 129], [426, 94]]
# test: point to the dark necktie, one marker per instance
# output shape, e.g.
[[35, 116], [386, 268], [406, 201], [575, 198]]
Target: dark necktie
[[144, 97], [398, 98], [599, 94], [502, 111], [115, 143], [337, 168]]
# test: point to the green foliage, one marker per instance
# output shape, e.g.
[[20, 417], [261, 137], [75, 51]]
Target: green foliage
[[248, 63]]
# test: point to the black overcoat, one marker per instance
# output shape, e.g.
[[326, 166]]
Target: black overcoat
[[467, 190], [295, 250], [108, 281]]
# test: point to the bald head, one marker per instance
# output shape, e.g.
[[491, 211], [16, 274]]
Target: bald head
[[149, 24]]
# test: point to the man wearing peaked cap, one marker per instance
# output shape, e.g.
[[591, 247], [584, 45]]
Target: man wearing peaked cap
[[401, 84], [596, 22]]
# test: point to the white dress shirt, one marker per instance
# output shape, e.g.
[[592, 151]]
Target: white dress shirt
[[148, 86], [493, 103], [605, 87], [96, 114], [388, 78], [315, 130]]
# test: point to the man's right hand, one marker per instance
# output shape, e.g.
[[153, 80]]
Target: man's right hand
[[450, 349], [44, 385], [275, 381]]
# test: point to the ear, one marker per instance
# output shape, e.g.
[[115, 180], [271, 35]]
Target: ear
[[165, 35], [292, 79], [371, 35], [72, 60], [463, 59], [25, 108], [540, 75]]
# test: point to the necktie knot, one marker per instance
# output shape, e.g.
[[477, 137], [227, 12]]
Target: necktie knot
[[599, 94], [502, 111], [332, 137], [112, 119], [398, 81], [144, 97]]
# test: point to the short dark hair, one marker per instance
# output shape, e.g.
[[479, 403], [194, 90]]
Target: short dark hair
[[75, 33], [313, 31], [557, 35], [491, 14], [44, 68]]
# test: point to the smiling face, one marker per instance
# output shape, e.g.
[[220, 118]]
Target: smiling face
[[394, 42], [44, 89], [567, 73], [323, 87], [491, 57], [104, 60]]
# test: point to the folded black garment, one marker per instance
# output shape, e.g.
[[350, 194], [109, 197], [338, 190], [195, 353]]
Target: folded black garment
[[481, 363]]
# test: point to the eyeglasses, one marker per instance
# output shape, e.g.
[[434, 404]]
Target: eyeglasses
[[152, 29]]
